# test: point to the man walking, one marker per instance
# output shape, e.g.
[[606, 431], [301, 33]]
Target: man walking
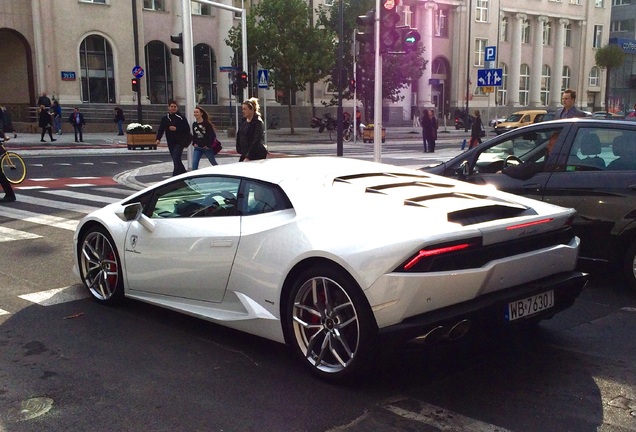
[[77, 120], [177, 130], [569, 110]]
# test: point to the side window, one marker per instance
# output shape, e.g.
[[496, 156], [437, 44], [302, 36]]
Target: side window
[[261, 198], [208, 196], [594, 149], [528, 147], [624, 150]]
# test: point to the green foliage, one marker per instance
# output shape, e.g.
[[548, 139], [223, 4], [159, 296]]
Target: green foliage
[[399, 71], [610, 56]]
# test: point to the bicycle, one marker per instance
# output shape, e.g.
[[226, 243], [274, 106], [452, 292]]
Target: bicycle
[[347, 133], [12, 165]]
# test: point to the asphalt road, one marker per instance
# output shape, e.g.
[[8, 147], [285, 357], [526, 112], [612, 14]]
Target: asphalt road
[[67, 363]]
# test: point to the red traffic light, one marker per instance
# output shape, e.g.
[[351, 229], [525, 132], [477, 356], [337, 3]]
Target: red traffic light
[[135, 84]]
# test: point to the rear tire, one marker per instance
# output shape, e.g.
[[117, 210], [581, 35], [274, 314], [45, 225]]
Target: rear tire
[[329, 324]]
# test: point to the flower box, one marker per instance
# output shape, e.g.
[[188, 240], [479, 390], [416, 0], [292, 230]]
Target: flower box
[[140, 136], [368, 135], [141, 141]]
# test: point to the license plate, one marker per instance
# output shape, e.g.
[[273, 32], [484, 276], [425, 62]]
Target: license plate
[[530, 305]]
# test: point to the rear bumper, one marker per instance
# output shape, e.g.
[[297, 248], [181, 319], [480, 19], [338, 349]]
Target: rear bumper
[[489, 311]]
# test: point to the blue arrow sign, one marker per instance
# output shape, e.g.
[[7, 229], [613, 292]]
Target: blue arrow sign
[[489, 77], [263, 78]]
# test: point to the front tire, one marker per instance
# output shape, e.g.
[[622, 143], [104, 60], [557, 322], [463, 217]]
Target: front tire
[[330, 325], [100, 266]]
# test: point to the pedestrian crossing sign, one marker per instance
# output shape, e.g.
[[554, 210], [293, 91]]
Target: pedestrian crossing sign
[[263, 78]]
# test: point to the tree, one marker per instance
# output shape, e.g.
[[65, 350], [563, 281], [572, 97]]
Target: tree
[[609, 57], [399, 71], [280, 38]]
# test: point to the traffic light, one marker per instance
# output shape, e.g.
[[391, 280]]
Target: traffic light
[[389, 18], [240, 80], [178, 39], [367, 22], [352, 85], [135, 85], [409, 38]]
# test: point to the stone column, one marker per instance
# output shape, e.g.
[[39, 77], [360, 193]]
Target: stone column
[[557, 72], [536, 67], [178, 71], [425, 28], [515, 60]]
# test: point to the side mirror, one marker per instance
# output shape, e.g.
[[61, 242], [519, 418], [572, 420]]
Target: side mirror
[[464, 171], [134, 212]]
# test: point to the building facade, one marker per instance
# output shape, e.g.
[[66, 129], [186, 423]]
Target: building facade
[[83, 52]]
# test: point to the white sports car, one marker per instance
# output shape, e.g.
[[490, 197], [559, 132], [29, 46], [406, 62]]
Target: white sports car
[[330, 255]]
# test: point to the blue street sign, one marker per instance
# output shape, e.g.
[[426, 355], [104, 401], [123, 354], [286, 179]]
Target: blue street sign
[[489, 77], [227, 68], [490, 54], [263, 78], [138, 71]]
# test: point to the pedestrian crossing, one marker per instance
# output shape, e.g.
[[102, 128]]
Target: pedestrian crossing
[[58, 203]]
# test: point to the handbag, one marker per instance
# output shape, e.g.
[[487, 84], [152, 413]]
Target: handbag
[[482, 132], [216, 146]]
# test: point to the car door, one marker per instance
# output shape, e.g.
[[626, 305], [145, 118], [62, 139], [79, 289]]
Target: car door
[[602, 192], [190, 252], [523, 146]]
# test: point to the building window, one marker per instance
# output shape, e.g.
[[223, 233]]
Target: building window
[[622, 26], [200, 9], [503, 30], [205, 75], [481, 11], [599, 3], [501, 90], [524, 84], [555, 1], [441, 23], [547, 33], [595, 75], [567, 39], [480, 51], [94, 1], [545, 84], [525, 31], [96, 64], [565, 79], [158, 5], [159, 73], [407, 13], [621, 2], [576, 2], [598, 36]]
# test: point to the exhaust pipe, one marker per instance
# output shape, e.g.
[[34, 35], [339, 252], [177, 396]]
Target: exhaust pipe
[[441, 333], [459, 330]]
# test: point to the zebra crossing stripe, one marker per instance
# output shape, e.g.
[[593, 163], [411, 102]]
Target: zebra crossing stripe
[[62, 205], [3, 312], [39, 219], [57, 295], [9, 234], [82, 196]]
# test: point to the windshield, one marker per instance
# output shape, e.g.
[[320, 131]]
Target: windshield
[[514, 118]]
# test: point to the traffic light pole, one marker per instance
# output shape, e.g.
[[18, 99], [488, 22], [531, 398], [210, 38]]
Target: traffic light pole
[[377, 90]]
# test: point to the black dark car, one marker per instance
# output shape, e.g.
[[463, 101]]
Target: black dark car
[[591, 168]]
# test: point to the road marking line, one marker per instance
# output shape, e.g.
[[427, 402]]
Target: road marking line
[[41, 179], [443, 419], [10, 234], [4, 312], [124, 192], [57, 295], [82, 196], [29, 187], [85, 178], [40, 219], [62, 205], [80, 185]]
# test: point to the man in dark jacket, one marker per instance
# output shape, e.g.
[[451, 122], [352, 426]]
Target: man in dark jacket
[[568, 110], [78, 122], [177, 130]]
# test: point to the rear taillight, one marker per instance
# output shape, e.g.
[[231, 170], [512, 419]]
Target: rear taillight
[[529, 224], [423, 259]]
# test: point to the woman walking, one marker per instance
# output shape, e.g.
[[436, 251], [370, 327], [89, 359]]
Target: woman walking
[[203, 136], [44, 121], [476, 130], [250, 139]]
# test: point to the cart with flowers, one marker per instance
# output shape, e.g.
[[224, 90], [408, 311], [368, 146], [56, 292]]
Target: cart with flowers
[[141, 137]]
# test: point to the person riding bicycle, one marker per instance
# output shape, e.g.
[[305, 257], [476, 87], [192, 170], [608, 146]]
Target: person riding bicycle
[[9, 195]]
